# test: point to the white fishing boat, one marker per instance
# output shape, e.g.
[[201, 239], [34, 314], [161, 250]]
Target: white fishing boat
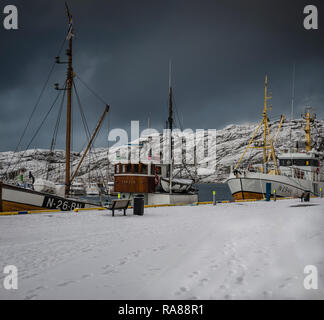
[[78, 188], [92, 189], [291, 174]]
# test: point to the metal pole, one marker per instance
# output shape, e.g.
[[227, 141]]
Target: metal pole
[[214, 198]]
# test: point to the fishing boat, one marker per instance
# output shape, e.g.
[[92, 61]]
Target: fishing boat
[[45, 194], [295, 173], [92, 189], [78, 188]]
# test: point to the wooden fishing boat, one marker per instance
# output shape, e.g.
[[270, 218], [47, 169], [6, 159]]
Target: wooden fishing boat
[[45, 194]]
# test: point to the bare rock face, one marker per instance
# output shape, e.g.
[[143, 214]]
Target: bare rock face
[[230, 144]]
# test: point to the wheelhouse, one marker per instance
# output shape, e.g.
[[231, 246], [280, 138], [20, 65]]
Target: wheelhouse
[[301, 166]]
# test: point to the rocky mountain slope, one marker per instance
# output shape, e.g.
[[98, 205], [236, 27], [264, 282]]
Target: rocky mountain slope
[[230, 144]]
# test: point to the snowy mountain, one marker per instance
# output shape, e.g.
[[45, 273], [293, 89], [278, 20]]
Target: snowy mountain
[[230, 144]]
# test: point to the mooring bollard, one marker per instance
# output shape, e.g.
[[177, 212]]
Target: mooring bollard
[[274, 195], [214, 198]]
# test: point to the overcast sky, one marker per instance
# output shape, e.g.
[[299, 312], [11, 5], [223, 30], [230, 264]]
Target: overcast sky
[[220, 49]]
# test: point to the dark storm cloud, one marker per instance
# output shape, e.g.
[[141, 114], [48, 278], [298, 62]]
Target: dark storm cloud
[[221, 51]]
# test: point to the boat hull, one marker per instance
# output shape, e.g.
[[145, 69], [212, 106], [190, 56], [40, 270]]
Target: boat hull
[[14, 198], [177, 185], [253, 186]]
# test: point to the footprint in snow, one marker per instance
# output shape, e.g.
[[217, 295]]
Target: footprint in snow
[[193, 298], [32, 293], [194, 274], [181, 291], [223, 287], [31, 297], [107, 266], [239, 280], [203, 282], [267, 294], [66, 283]]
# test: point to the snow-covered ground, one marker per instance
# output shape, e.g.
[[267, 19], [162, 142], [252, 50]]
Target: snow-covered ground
[[231, 251]]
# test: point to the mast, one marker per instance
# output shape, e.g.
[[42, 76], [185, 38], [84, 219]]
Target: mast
[[265, 120], [292, 101], [266, 136], [170, 120], [293, 94], [69, 108], [309, 118]]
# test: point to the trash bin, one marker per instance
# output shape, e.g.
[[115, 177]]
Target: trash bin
[[307, 197], [138, 206]]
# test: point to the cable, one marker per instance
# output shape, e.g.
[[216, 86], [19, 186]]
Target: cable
[[92, 91], [38, 129]]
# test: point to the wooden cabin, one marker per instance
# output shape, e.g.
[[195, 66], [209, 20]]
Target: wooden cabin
[[137, 178]]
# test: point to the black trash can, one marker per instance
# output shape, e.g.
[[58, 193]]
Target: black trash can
[[307, 197], [138, 206]]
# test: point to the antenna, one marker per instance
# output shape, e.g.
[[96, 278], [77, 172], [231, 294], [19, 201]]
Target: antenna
[[149, 121], [170, 119]]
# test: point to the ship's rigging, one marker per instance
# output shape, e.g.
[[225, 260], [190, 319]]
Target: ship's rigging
[[66, 92]]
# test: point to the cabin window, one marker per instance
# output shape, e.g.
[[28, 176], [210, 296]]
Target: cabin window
[[299, 162], [299, 174], [158, 170], [144, 169], [285, 162]]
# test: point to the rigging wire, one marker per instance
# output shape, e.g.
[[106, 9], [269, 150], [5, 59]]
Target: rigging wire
[[56, 128], [37, 131], [88, 134], [35, 106], [91, 90]]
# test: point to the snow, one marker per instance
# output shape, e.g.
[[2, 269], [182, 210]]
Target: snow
[[230, 144], [229, 251]]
